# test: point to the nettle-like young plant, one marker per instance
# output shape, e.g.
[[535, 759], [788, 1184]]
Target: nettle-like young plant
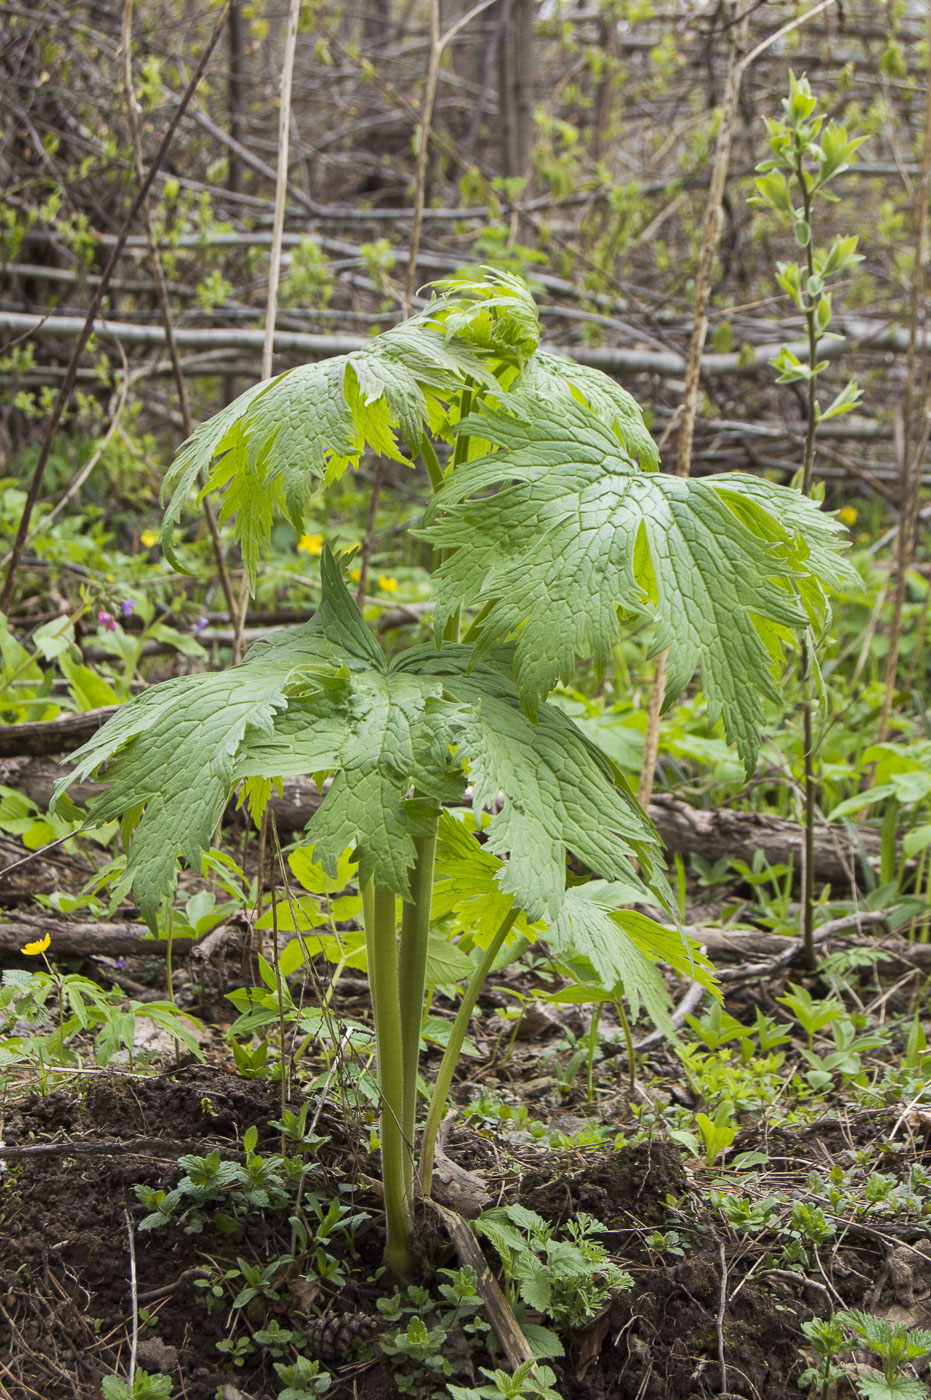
[[552, 524], [896, 1346], [807, 156]]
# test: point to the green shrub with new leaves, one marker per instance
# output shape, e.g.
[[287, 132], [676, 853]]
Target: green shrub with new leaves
[[807, 155], [553, 527]]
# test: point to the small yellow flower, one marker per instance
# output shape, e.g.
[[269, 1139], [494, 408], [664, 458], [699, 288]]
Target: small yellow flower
[[387, 585], [148, 538], [355, 575], [33, 949], [310, 544], [848, 515]]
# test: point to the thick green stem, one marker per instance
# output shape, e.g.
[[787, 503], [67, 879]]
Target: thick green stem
[[461, 450], [432, 463], [379, 911], [453, 1050], [629, 1042], [412, 971]]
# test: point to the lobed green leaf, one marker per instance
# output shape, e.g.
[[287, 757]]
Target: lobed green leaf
[[730, 567], [269, 450], [323, 698]]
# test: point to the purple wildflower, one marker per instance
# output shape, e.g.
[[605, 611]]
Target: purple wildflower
[[106, 620], [127, 607], [201, 623]]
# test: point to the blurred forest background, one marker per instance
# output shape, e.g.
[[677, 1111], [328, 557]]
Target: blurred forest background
[[570, 141]]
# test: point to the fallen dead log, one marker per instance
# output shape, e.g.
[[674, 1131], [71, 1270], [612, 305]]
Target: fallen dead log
[[860, 334], [772, 953], [756, 951], [722, 832], [107, 940], [712, 832], [44, 738], [98, 1147], [293, 806], [115, 939]]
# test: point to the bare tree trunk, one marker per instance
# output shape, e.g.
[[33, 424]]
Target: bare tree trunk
[[607, 37], [467, 55], [235, 93], [515, 83]]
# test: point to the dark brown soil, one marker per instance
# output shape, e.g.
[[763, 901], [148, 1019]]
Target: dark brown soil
[[66, 1263], [626, 1191], [66, 1298], [666, 1337]]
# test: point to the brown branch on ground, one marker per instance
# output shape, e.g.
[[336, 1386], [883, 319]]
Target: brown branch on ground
[[712, 832], [500, 1314]]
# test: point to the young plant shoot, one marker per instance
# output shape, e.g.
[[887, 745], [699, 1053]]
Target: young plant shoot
[[552, 525]]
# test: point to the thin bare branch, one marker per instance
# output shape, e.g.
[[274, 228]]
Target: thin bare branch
[[711, 235], [64, 393], [161, 288]]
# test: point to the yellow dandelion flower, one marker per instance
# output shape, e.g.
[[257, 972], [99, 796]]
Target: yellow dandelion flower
[[310, 544], [148, 538], [387, 585], [355, 575], [39, 946], [848, 515]]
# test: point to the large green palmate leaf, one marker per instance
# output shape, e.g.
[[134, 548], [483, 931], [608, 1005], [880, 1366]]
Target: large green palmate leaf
[[281, 438], [270, 449], [729, 566], [172, 751], [621, 946], [552, 376], [624, 946], [323, 698], [176, 750]]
